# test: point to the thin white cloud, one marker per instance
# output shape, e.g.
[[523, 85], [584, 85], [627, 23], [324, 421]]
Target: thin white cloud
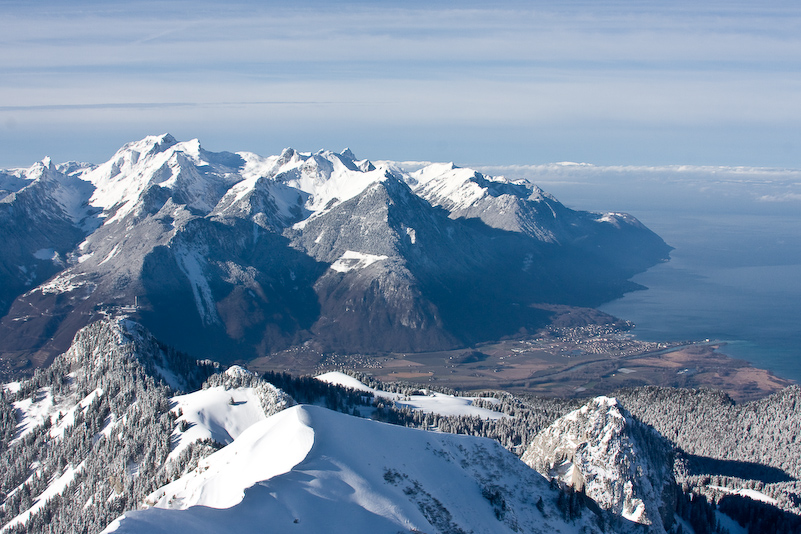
[[585, 71], [786, 197]]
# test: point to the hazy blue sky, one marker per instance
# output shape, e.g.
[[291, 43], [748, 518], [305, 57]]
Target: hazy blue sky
[[645, 82]]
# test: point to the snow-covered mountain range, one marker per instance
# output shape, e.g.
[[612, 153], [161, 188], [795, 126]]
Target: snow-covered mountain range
[[124, 434], [233, 256]]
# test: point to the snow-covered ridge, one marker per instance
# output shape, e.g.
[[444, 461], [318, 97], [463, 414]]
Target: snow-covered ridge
[[308, 469], [217, 182], [221, 479], [431, 403]]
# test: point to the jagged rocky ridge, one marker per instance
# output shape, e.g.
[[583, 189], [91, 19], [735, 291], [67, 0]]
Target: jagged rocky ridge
[[620, 463], [233, 256]]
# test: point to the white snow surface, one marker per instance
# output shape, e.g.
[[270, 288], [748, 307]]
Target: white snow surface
[[746, 492], [439, 403], [310, 470], [265, 449], [215, 413], [447, 182], [353, 261]]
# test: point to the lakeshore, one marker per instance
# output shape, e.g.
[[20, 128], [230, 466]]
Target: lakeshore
[[566, 361]]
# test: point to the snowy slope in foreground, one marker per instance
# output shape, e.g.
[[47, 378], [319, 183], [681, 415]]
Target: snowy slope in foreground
[[308, 469], [439, 403]]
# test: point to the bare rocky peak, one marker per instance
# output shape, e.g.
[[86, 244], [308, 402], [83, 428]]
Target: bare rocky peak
[[620, 463]]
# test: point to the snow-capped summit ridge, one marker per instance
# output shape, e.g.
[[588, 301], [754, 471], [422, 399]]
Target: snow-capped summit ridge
[[275, 249], [190, 174], [308, 469], [265, 449], [148, 144]]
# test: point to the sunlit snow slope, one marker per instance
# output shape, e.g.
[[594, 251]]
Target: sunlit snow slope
[[308, 469]]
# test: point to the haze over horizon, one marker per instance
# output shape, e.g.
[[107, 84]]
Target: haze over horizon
[[516, 83]]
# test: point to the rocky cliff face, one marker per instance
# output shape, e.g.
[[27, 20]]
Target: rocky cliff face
[[620, 463]]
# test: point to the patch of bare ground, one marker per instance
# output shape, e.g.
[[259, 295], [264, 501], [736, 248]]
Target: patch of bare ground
[[581, 354]]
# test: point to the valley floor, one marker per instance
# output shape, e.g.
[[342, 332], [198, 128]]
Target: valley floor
[[577, 361]]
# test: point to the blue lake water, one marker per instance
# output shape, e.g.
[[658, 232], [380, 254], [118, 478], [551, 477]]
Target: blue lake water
[[735, 271], [730, 278]]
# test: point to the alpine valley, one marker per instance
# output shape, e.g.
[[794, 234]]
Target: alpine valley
[[134, 293], [236, 256]]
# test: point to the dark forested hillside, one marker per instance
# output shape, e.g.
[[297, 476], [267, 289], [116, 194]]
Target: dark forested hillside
[[94, 429], [730, 452]]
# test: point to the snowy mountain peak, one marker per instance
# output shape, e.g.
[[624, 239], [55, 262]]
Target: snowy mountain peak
[[42, 170], [149, 145], [192, 176], [258, 247]]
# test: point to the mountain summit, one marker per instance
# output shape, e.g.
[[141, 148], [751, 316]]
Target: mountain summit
[[235, 255]]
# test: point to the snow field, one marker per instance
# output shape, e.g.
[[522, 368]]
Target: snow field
[[215, 413], [309, 470], [433, 403]]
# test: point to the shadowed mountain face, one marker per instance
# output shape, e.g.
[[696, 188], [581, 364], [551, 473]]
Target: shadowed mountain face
[[233, 256]]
